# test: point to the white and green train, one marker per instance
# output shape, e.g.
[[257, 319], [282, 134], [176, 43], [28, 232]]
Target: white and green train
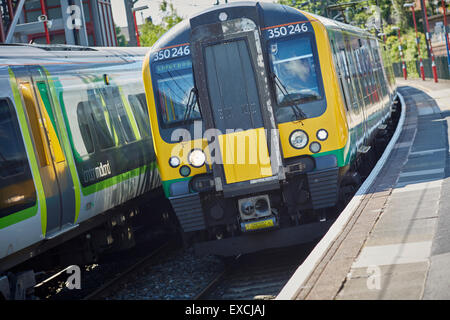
[[75, 146]]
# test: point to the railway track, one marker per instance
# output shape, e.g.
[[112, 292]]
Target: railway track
[[98, 280], [263, 275], [132, 272], [256, 276]]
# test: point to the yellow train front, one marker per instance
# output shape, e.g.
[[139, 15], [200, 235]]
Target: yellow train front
[[258, 112]]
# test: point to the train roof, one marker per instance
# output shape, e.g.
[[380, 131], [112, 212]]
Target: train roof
[[31, 54], [264, 13]]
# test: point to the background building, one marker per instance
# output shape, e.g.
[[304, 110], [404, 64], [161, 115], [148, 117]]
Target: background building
[[73, 22]]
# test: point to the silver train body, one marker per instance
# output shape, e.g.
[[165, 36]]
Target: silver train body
[[75, 143]]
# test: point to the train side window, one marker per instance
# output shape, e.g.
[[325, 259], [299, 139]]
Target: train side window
[[123, 117], [140, 113], [118, 115], [36, 124], [102, 128], [340, 73], [17, 191], [83, 123], [12, 153]]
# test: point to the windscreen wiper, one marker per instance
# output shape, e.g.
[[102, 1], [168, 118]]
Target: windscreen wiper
[[192, 100], [298, 112]]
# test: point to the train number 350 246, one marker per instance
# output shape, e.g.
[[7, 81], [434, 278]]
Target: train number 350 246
[[287, 30], [172, 53]]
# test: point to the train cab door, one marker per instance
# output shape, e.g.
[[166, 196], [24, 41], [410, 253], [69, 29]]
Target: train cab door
[[53, 167], [234, 99]]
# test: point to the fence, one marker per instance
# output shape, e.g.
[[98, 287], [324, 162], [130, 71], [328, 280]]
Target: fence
[[413, 68]]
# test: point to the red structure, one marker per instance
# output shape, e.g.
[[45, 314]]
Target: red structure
[[96, 28], [433, 63], [52, 9], [405, 74], [447, 43], [136, 29], [422, 70]]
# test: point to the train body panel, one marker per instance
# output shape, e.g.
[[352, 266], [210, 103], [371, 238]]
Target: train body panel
[[87, 147]]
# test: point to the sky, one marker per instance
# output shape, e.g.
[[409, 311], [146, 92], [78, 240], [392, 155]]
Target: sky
[[184, 8]]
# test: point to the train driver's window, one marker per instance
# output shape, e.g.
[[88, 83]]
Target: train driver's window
[[297, 77], [175, 85], [17, 190]]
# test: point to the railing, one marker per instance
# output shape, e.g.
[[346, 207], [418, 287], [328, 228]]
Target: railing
[[413, 70]]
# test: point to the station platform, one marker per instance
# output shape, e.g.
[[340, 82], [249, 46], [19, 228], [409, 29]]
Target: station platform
[[395, 242]]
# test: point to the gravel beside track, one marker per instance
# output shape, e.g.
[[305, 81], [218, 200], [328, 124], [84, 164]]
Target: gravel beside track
[[181, 276]]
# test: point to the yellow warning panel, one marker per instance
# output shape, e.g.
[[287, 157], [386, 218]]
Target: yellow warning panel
[[264, 224], [245, 155]]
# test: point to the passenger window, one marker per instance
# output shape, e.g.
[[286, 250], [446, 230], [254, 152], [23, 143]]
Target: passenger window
[[83, 123], [36, 124], [140, 112], [17, 190], [102, 126], [118, 114], [12, 153]]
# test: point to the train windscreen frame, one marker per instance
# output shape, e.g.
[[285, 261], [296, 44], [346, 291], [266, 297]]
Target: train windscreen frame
[[175, 96], [297, 78]]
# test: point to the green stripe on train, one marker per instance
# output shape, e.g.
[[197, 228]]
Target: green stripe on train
[[166, 185], [102, 184], [117, 179], [342, 160]]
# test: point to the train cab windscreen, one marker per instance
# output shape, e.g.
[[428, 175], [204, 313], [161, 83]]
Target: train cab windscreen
[[175, 93], [296, 77]]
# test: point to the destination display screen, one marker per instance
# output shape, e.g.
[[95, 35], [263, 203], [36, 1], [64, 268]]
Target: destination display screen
[[173, 66]]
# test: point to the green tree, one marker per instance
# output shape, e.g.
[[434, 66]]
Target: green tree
[[121, 40], [409, 46], [357, 12], [365, 13], [150, 32]]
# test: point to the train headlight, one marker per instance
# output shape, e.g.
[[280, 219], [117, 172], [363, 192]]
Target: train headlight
[[322, 134], [174, 162], [185, 171], [197, 158], [298, 139], [315, 147]]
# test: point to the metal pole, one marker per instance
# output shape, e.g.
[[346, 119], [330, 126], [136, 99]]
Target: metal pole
[[12, 26], [433, 63], [2, 32], [44, 12], [10, 10], [424, 10], [422, 71], [405, 75], [444, 7], [138, 40], [130, 22], [136, 29]]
